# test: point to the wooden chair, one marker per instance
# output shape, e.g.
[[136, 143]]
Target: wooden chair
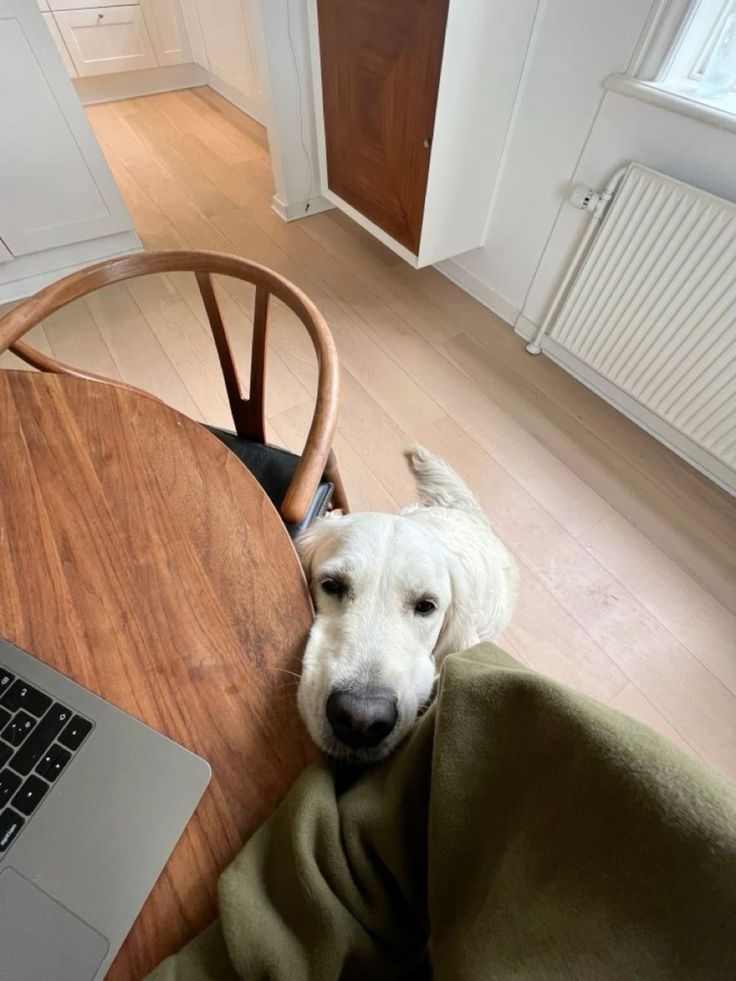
[[301, 487]]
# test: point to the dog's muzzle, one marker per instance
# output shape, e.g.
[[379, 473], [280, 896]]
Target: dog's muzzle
[[361, 720]]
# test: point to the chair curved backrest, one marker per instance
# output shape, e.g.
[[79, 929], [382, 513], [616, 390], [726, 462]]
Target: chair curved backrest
[[248, 414]]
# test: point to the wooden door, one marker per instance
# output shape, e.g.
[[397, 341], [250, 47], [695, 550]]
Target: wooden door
[[381, 64]]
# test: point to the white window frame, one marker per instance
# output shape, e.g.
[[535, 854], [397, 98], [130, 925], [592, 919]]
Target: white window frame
[[667, 20], [666, 66], [682, 69]]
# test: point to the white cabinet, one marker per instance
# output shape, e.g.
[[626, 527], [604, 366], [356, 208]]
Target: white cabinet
[[228, 31], [405, 134], [89, 4], [102, 37], [106, 39], [55, 187], [60, 46], [168, 31]]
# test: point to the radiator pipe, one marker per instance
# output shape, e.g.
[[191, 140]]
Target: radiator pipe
[[535, 346]]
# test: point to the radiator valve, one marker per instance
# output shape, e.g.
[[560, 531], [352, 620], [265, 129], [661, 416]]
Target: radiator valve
[[585, 198]]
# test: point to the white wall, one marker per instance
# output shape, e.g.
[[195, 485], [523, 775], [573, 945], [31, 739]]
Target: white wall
[[628, 129], [276, 59], [292, 131], [191, 12], [226, 41], [567, 128]]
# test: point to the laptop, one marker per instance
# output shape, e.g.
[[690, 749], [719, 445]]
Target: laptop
[[92, 803]]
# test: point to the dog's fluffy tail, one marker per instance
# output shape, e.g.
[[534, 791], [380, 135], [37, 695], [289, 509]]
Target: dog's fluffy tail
[[437, 483]]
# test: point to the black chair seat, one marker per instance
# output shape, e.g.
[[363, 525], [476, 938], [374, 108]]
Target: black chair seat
[[273, 468]]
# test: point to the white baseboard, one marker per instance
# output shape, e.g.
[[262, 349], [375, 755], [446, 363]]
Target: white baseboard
[[149, 81], [250, 106], [485, 294], [33, 272], [129, 85], [685, 447], [525, 327], [294, 210]]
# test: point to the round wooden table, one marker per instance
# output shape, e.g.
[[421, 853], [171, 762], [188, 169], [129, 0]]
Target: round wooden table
[[140, 557]]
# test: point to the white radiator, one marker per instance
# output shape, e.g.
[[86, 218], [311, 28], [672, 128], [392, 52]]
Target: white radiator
[[649, 319]]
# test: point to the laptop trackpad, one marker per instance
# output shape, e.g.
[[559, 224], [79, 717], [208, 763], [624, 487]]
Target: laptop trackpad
[[40, 939]]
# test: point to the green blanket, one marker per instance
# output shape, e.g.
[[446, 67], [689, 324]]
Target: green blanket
[[523, 832]]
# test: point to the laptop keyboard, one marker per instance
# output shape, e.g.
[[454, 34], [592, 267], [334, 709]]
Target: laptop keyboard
[[38, 738]]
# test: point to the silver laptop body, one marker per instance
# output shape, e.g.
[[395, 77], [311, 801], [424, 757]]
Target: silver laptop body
[[86, 824]]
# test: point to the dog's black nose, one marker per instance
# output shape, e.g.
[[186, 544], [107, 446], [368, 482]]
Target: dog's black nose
[[361, 719]]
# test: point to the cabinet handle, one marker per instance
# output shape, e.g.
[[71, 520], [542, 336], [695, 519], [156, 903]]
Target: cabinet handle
[[100, 16]]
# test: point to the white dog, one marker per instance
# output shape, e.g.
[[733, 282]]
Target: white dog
[[394, 594]]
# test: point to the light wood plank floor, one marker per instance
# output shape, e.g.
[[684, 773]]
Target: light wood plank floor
[[628, 556]]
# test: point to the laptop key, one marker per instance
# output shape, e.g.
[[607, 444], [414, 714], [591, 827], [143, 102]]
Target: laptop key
[[5, 753], [53, 762], [10, 825], [6, 680], [9, 783], [4, 717], [30, 795], [18, 728], [21, 695], [74, 734], [41, 738]]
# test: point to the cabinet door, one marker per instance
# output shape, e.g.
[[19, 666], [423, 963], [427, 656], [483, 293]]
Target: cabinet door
[[106, 39], [55, 188], [60, 46], [168, 31], [380, 65], [227, 35], [89, 4]]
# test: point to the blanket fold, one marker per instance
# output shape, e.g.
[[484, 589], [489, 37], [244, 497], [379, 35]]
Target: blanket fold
[[522, 833]]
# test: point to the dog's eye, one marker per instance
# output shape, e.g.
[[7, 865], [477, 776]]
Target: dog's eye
[[334, 587], [424, 607]]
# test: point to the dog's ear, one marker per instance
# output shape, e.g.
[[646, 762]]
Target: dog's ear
[[308, 541], [459, 631], [306, 545]]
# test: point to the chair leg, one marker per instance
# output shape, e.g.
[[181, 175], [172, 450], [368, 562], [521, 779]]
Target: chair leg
[[332, 473]]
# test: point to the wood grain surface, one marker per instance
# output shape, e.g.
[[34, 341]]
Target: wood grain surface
[[139, 557], [247, 412]]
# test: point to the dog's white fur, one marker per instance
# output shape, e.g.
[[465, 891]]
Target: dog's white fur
[[371, 638]]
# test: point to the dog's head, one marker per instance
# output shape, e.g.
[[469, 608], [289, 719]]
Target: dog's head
[[390, 603]]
